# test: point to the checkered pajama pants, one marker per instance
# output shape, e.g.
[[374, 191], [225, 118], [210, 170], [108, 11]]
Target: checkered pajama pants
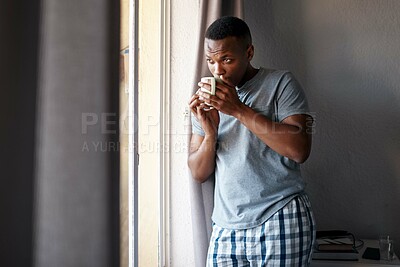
[[286, 239]]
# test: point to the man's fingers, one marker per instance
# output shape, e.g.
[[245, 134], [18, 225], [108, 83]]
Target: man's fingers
[[193, 98]]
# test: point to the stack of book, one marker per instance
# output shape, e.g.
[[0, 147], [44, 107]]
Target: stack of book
[[335, 245]]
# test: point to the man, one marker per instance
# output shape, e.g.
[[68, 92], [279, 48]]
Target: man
[[253, 134]]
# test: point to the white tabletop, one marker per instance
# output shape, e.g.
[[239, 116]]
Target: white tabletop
[[361, 261]]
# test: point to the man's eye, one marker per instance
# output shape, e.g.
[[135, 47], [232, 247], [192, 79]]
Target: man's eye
[[227, 60], [209, 61]]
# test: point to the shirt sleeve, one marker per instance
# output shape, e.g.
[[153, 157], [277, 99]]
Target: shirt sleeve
[[291, 99]]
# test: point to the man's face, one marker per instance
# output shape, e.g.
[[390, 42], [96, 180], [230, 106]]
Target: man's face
[[228, 59]]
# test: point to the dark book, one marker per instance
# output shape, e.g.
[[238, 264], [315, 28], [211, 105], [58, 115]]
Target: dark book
[[335, 245], [372, 254]]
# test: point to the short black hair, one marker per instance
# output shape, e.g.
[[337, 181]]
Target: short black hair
[[228, 26]]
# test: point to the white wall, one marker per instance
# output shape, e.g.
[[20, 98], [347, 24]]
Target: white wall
[[346, 55], [184, 20]]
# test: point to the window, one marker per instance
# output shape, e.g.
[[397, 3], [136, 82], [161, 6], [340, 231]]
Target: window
[[144, 118]]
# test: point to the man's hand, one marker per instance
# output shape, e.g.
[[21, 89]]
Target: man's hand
[[207, 115], [225, 99]]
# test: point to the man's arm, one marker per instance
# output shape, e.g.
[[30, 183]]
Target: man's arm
[[201, 159], [290, 138]]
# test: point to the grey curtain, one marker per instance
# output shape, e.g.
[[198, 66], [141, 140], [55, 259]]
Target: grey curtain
[[202, 197], [59, 131]]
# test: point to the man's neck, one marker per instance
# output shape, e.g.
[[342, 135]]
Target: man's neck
[[250, 73]]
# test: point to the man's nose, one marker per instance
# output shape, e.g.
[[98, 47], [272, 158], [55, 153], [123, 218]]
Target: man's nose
[[218, 69]]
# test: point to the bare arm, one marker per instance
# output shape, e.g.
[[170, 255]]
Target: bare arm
[[290, 138], [201, 159]]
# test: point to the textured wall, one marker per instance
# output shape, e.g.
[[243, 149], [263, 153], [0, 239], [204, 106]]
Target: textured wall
[[346, 55]]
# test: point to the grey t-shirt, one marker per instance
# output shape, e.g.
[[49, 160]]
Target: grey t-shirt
[[252, 182]]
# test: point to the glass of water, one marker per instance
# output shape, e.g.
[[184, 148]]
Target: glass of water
[[386, 248]]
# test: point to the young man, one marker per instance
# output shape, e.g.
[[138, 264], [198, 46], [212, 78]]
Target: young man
[[253, 137]]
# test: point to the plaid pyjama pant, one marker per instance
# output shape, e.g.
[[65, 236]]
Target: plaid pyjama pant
[[285, 239]]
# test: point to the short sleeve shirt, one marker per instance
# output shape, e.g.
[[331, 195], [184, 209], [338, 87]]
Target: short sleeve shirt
[[252, 181]]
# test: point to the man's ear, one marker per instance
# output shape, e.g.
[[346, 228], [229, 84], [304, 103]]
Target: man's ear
[[250, 52]]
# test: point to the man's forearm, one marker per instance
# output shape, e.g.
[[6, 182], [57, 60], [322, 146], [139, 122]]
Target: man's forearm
[[201, 159], [289, 140]]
